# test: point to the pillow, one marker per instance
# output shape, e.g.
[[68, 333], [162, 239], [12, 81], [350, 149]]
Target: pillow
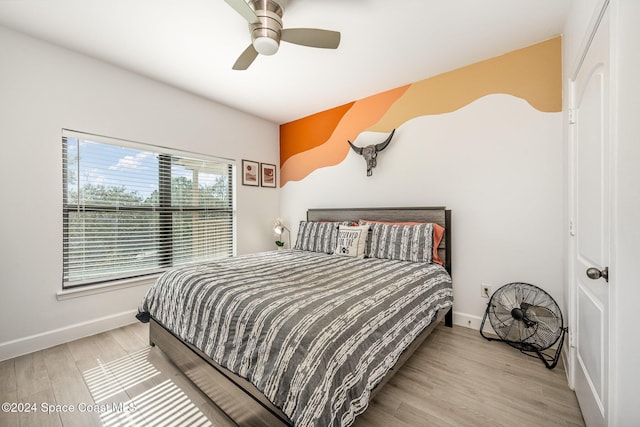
[[317, 236], [402, 242], [352, 240], [438, 234]]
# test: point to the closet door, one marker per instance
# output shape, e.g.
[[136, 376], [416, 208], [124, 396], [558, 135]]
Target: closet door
[[591, 227]]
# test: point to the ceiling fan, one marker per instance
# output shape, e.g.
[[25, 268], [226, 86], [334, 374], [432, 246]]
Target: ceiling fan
[[265, 25]]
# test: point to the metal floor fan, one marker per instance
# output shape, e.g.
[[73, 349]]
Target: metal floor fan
[[527, 318]]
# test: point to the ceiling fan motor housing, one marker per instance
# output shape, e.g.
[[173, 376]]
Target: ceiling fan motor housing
[[265, 25], [265, 35]]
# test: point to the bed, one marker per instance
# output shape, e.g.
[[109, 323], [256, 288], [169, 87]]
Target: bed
[[302, 337]]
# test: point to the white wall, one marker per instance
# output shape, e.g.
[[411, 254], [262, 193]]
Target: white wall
[[43, 89], [496, 163]]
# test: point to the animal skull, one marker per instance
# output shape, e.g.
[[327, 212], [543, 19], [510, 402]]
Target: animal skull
[[370, 152]]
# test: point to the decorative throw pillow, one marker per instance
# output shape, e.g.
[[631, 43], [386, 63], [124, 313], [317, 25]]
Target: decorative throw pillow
[[438, 234], [352, 240], [317, 236], [402, 242]]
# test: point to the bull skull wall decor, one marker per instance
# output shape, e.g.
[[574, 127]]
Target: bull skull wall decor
[[370, 152]]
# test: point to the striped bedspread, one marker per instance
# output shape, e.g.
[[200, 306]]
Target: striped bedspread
[[314, 332]]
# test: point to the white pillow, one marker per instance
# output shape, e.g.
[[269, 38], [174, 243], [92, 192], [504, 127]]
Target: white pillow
[[352, 240]]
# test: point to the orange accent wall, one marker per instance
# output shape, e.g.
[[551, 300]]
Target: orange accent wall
[[533, 73], [310, 131], [362, 114]]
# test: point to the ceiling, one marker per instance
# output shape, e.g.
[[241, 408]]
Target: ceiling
[[192, 44]]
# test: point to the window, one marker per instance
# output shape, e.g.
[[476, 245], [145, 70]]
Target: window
[[132, 210]]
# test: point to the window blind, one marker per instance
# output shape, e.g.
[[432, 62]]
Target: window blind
[[132, 210]]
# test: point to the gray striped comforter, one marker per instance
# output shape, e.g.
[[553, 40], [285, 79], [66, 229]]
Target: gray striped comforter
[[314, 332]]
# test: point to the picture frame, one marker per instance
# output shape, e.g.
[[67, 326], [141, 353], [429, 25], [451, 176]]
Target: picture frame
[[250, 173], [268, 175]]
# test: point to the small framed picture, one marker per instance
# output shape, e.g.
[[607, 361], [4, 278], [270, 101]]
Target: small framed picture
[[268, 175], [250, 173]]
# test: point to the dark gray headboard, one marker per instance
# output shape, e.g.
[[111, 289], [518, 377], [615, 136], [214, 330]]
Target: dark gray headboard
[[439, 215]]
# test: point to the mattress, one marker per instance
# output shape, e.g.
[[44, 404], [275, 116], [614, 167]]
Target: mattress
[[314, 332]]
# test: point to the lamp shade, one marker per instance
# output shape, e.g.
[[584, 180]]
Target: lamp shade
[[279, 228]]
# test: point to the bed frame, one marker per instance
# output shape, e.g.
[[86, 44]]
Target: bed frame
[[243, 403]]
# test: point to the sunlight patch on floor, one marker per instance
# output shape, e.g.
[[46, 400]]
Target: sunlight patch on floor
[[164, 404], [108, 379]]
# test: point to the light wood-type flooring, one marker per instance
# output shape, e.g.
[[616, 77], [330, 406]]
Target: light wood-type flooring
[[456, 378]]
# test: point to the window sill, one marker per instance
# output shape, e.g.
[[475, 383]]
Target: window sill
[[84, 291]]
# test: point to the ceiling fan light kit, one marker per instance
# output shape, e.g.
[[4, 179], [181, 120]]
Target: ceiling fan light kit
[[265, 45], [265, 25]]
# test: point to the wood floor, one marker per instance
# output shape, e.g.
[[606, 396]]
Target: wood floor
[[113, 379]]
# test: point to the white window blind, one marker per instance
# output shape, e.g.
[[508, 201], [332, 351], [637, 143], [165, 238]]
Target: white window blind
[[131, 210]]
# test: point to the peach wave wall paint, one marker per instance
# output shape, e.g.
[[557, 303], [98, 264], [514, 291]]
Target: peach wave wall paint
[[533, 73]]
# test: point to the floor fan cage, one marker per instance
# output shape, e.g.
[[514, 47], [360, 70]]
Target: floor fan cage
[[527, 318]]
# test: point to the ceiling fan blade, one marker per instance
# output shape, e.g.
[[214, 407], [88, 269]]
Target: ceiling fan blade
[[312, 37], [245, 10], [246, 58]]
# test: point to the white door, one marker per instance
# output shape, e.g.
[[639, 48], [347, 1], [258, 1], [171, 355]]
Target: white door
[[591, 220]]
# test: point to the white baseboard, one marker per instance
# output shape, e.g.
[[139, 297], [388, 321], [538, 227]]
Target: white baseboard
[[18, 347], [471, 321]]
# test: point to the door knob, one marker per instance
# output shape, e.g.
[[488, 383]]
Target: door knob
[[595, 274]]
